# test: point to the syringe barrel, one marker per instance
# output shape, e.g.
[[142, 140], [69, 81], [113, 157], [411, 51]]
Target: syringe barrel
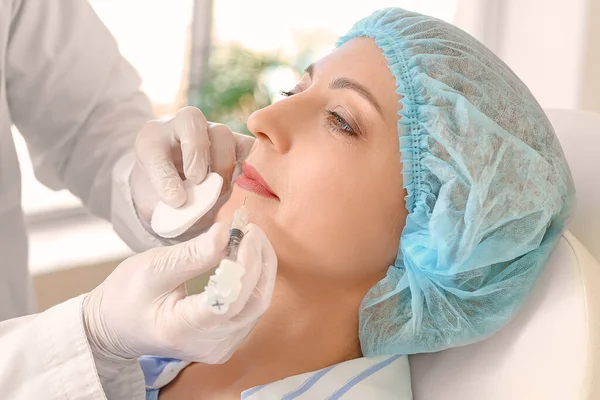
[[235, 237], [236, 231]]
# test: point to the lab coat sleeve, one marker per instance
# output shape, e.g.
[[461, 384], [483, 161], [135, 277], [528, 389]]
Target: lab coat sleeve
[[47, 356], [124, 216], [72, 96]]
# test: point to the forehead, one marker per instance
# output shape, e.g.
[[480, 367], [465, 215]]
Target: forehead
[[360, 59]]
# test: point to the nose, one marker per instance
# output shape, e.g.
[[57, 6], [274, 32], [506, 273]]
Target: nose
[[276, 123]]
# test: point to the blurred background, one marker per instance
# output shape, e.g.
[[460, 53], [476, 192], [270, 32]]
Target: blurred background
[[230, 57]]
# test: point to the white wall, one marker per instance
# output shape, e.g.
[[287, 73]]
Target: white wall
[[546, 42], [590, 96]]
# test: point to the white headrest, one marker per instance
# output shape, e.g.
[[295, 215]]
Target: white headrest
[[550, 351], [579, 135]]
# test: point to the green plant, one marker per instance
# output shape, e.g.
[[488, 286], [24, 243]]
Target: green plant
[[233, 87]]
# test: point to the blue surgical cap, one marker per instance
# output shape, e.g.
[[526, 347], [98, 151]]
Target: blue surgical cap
[[489, 190]]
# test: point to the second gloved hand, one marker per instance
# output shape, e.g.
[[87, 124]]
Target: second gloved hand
[[142, 308], [185, 147]]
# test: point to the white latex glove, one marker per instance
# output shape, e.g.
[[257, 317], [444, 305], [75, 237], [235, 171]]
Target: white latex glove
[[142, 307], [186, 146]]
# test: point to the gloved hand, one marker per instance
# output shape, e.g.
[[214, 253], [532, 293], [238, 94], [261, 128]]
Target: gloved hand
[[142, 307], [185, 146]]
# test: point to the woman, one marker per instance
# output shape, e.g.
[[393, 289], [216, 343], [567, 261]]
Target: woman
[[412, 189]]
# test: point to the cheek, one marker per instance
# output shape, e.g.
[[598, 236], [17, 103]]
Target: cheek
[[344, 214]]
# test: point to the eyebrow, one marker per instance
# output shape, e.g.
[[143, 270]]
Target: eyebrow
[[345, 83]]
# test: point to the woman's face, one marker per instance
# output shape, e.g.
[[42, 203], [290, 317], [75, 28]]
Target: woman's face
[[332, 202]]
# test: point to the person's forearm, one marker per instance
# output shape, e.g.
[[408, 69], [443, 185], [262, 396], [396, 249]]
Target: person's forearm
[[124, 217], [73, 97], [47, 356]]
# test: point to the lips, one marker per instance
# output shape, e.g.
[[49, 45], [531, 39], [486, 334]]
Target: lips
[[253, 182]]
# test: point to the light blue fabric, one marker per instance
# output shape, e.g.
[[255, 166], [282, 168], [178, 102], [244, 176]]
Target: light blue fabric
[[489, 190], [152, 394], [386, 377], [154, 367]]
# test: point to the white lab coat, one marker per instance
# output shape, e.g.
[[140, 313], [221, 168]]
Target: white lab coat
[[77, 103], [47, 357]]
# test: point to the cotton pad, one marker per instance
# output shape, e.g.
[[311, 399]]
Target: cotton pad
[[170, 222]]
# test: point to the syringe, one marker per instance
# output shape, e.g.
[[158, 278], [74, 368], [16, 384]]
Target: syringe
[[236, 231], [225, 285]]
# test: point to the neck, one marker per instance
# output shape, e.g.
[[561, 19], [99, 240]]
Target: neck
[[309, 325]]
